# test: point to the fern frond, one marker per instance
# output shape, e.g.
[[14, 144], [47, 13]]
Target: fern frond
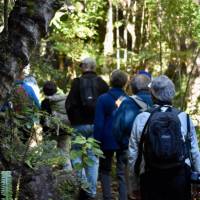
[[6, 185]]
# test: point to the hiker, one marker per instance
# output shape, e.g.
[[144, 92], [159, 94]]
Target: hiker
[[126, 113], [80, 107], [31, 81], [23, 88], [25, 93], [158, 147], [130, 107], [25, 103], [54, 105], [106, 105]]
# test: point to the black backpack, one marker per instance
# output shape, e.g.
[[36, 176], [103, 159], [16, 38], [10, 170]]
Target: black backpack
[[89, 93], [162, 143]]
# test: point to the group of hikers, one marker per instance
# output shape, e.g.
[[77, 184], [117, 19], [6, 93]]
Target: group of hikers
[[155, 144]]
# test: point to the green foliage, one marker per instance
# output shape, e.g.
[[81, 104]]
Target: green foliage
[[44, 70], [85, 145], [75, 32], [69, 186], [45, 154], [54, 122], [15, 151], [6, 185]]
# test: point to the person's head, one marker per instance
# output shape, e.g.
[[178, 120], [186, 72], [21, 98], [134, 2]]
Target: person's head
[[118, 79], [145, 73], [49, 88], [88, 64], [139, 82], [26, 70], [23, 72], [162, 89]]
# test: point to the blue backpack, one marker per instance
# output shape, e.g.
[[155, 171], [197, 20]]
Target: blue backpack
[[162, 142]]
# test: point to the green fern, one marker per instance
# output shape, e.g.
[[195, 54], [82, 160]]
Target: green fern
[[6, 185]]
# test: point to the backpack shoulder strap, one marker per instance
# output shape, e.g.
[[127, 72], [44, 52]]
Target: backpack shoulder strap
[[118, 100], [188, 141], [139, 102]]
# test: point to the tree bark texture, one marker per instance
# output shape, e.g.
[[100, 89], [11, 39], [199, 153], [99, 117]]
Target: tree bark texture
[[138, 24], [27, 23]]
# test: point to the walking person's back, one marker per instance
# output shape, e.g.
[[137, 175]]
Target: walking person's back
[[130, 108], [158, 150], [106, 105], [54, 105], [124, 117], [25, 103], [80, 107]]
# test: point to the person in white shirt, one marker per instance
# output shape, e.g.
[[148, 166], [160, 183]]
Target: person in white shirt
[[171, 184]]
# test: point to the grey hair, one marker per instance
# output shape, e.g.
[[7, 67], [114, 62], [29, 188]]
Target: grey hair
[[139, 82], [88, 64], [118, 78], [163, 89]]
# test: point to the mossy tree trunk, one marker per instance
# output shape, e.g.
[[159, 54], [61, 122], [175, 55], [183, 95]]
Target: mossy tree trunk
[[27, 23]]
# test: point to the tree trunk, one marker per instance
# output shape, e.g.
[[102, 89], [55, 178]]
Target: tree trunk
[[125, 14], [138, 24], [117, 39], [27, 24], [108, 42]]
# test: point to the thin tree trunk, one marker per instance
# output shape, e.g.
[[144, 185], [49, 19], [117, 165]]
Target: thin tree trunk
[[117, 38], [108, 42], [160, 32], [27, 24], [138, 24], [125, 13], [131, 23]]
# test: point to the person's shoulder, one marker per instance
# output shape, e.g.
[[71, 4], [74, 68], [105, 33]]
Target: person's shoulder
[[75, 82], [28, 88], [100, 79], [180, 112], [130, 100], [57, 97], [103, 96], [183, 116], [127, 101], [142, 117]]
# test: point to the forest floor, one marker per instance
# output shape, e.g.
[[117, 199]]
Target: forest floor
[[114, 191]]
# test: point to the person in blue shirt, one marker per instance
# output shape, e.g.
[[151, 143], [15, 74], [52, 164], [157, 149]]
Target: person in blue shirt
[[106, 105], [125, 115], [30, 92], [129, 109], [22, 95], [24, 103], [32, 82]]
